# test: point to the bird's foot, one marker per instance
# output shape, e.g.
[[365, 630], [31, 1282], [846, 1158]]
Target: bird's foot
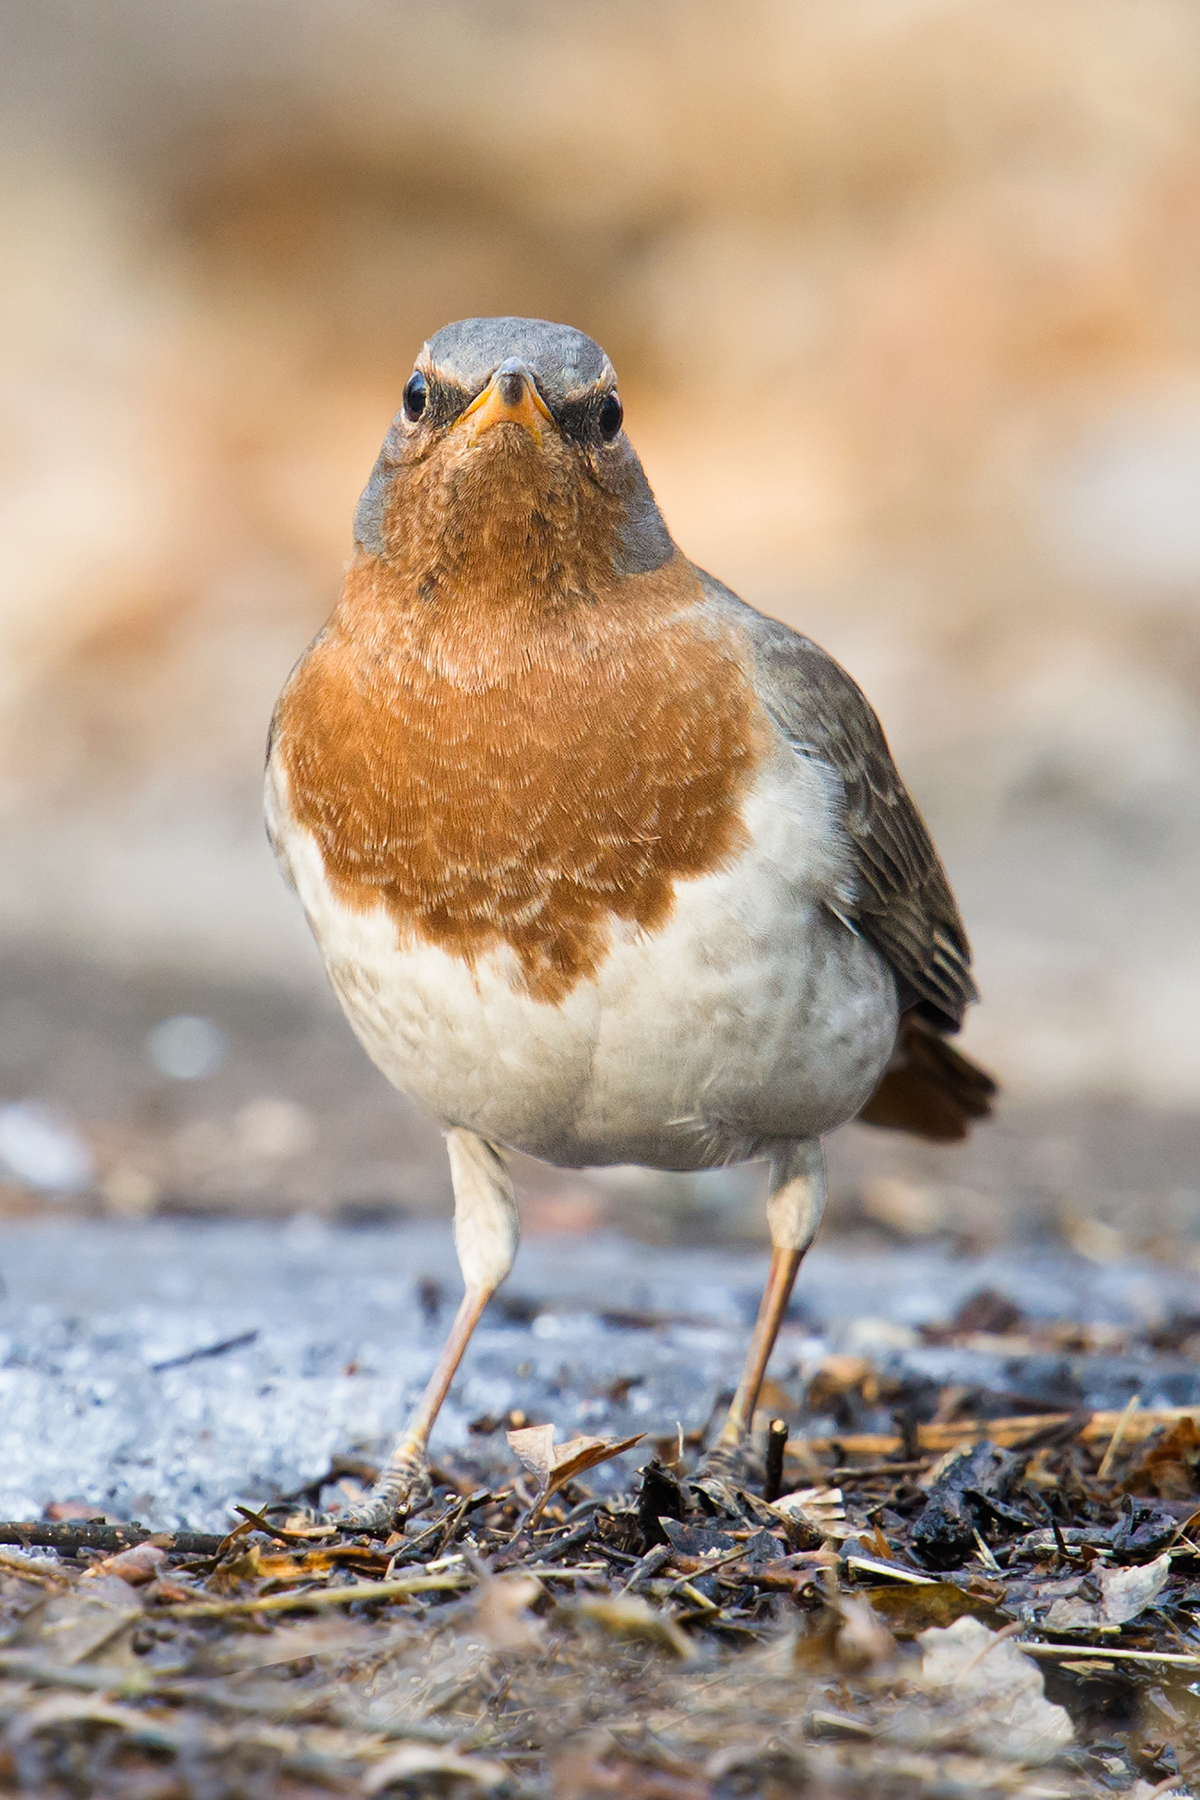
[[402, 1489], [724, 1462]]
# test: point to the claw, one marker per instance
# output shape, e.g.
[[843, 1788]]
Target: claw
[[403, 1488], [725, 1462]]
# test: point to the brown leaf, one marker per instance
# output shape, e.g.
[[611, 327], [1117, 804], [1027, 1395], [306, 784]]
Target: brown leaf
[[534, 1447], [136, 1566], [235, 1570], [553, 1466], [1172, 1469], [911, 1610]]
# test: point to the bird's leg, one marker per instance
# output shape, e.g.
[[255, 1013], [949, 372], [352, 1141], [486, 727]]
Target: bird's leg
[[486, 1230], [794, 1208]]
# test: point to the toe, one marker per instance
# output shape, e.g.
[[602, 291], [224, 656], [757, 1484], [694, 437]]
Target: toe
[[402, 1489]]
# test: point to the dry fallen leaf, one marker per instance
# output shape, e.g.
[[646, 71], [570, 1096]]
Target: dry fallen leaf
[[994, 1693], [1124, 1593], [553, 1466], [1172, 1469], [821, 1507], [137, 1565]]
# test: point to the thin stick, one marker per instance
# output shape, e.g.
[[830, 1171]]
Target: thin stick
[[709, 1568], [777, 1437], [1013, 1430], [281, 1533], [651, 1563], [1114, 1443], [985, 1555], [872, 1471], [70, 1535], [891, 1571], [1075, 1652], [399, 1589]]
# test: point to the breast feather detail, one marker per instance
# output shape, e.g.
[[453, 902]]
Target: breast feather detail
[[570, 782]]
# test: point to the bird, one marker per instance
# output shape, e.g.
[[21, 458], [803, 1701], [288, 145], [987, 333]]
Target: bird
[[605, 866]]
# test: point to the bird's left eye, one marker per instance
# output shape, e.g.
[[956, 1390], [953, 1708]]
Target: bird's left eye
[[611, 414], [416, 392]]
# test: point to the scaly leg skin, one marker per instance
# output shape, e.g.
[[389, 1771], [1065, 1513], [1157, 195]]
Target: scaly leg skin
[[794, 1208], [486, 1232]]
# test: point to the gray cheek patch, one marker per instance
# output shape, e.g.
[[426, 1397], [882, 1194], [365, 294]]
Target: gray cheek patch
[[368, 517], [646, 543]]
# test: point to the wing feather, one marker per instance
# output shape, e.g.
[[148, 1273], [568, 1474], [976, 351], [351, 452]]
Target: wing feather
[[901, 900]]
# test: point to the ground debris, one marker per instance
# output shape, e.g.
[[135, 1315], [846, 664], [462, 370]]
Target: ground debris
[[978, 1616], [994, 1695]]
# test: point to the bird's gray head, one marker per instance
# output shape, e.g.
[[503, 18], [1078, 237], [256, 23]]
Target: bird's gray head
[[566, 365], [547, 383]]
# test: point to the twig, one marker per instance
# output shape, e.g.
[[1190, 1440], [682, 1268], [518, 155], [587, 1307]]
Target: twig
[[572, 1539], [1115, 1441], [72, 1535], [313, 1535], [193, 1356], [708, 1568], [320, 1597], [777, 1437], [1021, 1428], [1073, 1652], [985, 1554], [890, 1571], [458, 1510], [694, 1595], [872, 1471], [650, 1564]]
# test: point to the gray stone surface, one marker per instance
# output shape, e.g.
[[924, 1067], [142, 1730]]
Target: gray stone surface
[[341, 1345]]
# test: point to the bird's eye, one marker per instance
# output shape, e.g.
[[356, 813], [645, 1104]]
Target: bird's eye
[[611, 414], [416, 392]]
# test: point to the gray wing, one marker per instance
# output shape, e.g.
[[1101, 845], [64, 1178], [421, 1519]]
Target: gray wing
[[902, 900]]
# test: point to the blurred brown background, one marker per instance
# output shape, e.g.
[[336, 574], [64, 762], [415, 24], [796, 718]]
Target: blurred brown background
[[905, 297]]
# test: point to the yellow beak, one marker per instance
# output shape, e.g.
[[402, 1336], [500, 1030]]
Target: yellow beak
[[510, 398]]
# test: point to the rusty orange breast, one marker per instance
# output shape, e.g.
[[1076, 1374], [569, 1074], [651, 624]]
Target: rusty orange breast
[[502, 777]]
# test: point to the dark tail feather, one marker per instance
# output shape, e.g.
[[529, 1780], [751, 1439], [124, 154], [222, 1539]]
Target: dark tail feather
[[929, 1088]]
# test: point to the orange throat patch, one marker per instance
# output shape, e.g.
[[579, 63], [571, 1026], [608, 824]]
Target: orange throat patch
[[499, 771]]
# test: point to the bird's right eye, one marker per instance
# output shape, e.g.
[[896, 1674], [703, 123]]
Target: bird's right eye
[[416, 392]]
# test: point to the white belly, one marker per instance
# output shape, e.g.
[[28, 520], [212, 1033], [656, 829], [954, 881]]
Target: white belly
[[754, 1015]]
